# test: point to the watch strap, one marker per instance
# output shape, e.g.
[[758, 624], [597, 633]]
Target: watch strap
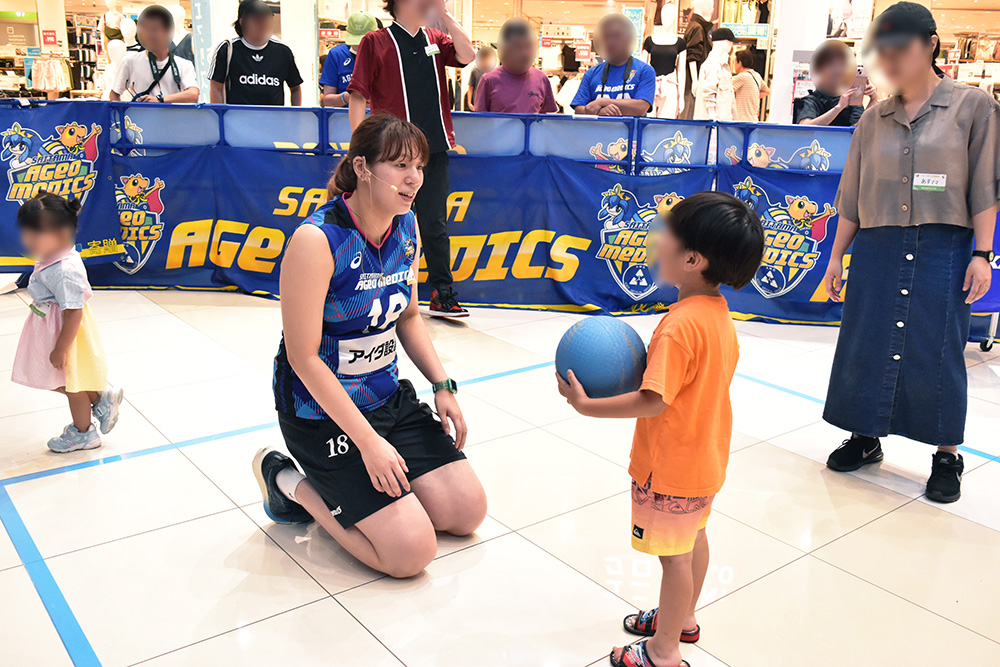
[[988, 255], [448, 384]]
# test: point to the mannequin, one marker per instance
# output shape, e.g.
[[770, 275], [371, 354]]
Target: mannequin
[[116, 51], [699, 43], [665, 51], [714, 96], [128, 34], [182, 38], [110, 23]]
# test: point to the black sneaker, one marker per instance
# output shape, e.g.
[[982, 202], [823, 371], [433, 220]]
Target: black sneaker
[[945, 482], [266, 466], [855, 452], [443, 304]]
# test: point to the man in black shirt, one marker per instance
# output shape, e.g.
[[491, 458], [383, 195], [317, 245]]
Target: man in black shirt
[[832, 64], [254, 68]]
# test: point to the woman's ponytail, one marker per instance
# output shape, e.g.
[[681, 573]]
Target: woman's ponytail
[[344, 178]]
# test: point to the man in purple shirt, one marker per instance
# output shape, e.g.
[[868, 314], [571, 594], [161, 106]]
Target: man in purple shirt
[[516, 86]]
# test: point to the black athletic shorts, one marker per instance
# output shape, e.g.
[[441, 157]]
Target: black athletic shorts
[[333, 463]]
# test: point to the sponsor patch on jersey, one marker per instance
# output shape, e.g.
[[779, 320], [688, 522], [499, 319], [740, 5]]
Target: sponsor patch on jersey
[[366, 354]]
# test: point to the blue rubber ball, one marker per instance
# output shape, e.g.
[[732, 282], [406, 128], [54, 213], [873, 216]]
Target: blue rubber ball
[[606, 355]]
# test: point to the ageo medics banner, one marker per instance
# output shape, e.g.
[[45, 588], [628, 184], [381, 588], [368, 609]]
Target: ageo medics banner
[[799, 222], [533, 222], [60, 148], [574, 238], [210, 217], [554, 232]]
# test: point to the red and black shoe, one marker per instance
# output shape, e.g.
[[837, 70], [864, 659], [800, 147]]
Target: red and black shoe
[[443, 304], [636, 655], [644, 625]]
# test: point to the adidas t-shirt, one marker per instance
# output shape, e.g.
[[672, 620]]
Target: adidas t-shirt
[[257, 75]]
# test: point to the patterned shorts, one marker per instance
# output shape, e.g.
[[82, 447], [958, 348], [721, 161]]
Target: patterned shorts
[[666, 525]]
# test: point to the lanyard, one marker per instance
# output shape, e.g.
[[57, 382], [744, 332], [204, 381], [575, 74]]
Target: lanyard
[[158, 73], [625, 76]]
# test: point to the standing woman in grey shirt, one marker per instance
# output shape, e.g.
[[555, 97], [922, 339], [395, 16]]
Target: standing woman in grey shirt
[[919, 192]]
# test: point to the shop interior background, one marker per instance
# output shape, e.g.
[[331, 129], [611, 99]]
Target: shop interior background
[[781, 33]]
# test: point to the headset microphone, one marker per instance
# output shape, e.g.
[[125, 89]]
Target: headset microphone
[[393, 187]]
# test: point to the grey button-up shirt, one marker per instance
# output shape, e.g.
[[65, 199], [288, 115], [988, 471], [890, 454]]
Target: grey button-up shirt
[[943, 167]]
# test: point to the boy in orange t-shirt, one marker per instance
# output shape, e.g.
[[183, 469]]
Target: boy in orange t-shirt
[[685, 420]]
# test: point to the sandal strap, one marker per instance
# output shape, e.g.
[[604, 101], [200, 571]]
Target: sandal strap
[[645, 621], [635, 655]]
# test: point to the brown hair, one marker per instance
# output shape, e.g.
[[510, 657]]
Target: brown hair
[[832, 50], [381, 137]]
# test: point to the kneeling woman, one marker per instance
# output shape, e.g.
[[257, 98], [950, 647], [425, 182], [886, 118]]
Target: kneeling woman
[[381, 473]]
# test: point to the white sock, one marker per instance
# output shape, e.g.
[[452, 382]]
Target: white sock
[[288, 480]]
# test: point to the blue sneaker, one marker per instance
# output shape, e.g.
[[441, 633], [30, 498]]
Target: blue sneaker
[[72, 440], [105, 411], [266, 466]]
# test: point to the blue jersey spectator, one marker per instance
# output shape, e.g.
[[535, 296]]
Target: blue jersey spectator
[[622, 85], [339, 64]]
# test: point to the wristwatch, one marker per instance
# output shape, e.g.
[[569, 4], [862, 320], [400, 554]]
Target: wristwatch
[[988, 255], [159, 96], [448, 384]]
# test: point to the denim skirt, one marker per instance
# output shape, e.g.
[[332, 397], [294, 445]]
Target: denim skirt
[[899, 366]]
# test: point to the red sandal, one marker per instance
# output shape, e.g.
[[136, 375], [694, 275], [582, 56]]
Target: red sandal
[[643, 624], [635, 655]]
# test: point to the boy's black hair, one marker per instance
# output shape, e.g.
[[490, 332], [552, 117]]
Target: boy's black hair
[[48, 211], [514, 28], [390, 6], [158, 13], [723, 230], [745, 58]]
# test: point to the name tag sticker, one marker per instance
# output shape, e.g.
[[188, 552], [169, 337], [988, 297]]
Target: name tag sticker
[[432, 49], [366, 354], [932, 182]]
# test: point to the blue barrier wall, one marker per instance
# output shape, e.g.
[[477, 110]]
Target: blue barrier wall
[[545, 211]]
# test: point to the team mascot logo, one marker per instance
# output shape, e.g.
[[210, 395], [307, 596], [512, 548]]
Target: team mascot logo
[[673, 150], [808, 158], [617, 152], [132, 134], [139, 211], [63, 164], [792, 234], [623, 239]]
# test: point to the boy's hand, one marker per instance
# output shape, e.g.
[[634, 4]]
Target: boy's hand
[[572, 391]]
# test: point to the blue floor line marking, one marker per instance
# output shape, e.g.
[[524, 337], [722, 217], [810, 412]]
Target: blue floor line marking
[[136, 454], [786, 390], [72, 635], [73, 638]]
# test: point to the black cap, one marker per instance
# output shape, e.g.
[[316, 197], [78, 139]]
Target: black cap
[[899, 25], [253, 8], [723, 35]]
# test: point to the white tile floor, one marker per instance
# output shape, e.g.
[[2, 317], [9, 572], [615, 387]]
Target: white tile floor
[[167, 558]]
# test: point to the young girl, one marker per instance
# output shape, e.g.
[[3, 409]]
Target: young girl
[[60, 348]]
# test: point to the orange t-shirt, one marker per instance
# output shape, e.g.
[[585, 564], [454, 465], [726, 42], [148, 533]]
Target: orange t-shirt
[[690, 363]]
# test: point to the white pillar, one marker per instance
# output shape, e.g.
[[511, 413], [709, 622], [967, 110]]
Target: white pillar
[[211, 23], [300, 31], [801, 26], [52, 16]]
